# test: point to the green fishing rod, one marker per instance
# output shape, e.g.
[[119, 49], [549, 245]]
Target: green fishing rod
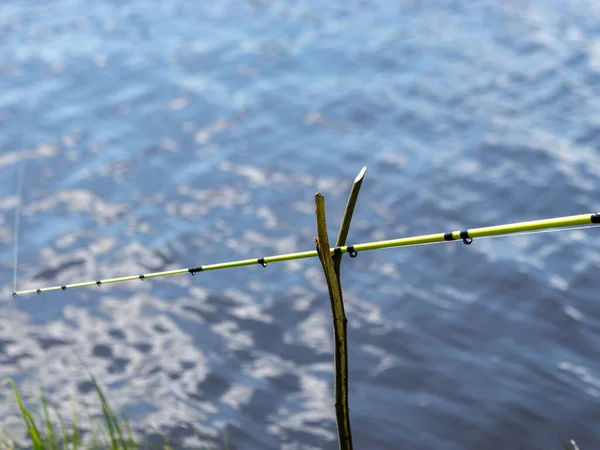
[[467, 236]]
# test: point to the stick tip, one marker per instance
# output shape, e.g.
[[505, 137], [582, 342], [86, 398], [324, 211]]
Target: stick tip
[[361, 174]]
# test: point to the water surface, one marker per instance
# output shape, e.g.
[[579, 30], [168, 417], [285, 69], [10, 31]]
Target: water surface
[[175, 134]]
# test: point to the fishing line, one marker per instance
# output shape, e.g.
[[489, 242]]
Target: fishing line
[[576, 222], [526, 233], [17, 222]]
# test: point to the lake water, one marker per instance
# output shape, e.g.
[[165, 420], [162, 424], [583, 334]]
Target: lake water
[[164, 135]]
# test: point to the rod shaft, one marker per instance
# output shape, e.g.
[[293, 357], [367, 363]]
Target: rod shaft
[[464, 235]]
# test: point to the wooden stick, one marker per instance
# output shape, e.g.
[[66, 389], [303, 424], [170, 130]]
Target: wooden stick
[[343, 233], [339, 327]]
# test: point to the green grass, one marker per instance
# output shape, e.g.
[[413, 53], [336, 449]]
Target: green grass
[[112, 433], [47, 434], [568, 447]]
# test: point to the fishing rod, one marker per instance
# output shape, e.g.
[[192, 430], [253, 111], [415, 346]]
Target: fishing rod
[[467, 236]]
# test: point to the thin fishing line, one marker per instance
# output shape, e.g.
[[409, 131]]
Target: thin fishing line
[[547, 225], [526, 233], [17, 222]]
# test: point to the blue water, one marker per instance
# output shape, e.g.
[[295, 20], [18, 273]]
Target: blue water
[[161, 135]]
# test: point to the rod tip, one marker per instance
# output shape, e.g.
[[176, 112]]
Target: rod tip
[[14, 294]]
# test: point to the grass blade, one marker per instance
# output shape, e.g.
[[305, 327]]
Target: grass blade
[[75, 438], [117, 439], [50, 439], [64, 432], [34, 433]]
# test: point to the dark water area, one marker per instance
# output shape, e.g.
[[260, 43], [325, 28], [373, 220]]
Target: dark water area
[[163, 135]]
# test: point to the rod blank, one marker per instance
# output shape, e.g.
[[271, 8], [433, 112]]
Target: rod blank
[[466, 236]]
